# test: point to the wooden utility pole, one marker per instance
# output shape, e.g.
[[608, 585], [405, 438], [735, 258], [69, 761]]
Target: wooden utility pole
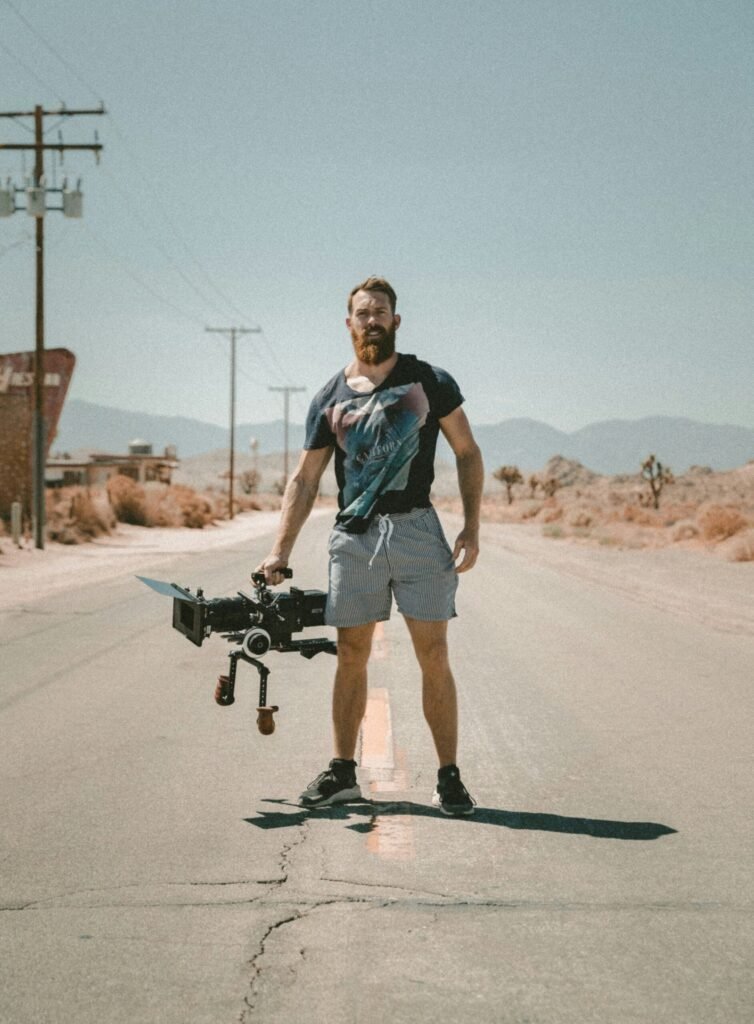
[[232, 333], [40, 448], [286, 407], [39, 146]]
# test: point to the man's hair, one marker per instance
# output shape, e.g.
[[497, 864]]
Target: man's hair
[[374, 284]]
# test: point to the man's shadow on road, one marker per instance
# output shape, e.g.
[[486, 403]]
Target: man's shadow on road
[[366, 815]]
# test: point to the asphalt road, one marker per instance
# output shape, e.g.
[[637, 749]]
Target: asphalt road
[[155, 867]]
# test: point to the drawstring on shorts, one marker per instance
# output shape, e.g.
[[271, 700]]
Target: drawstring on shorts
[[386, 527]]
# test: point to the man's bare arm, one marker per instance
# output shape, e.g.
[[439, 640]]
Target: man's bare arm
[[470, 469], [298, 500]]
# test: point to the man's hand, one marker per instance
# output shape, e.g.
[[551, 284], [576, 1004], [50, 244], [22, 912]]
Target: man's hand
[[468, 542], [271, 567]]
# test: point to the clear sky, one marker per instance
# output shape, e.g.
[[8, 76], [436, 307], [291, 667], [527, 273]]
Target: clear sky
[[560, 192]]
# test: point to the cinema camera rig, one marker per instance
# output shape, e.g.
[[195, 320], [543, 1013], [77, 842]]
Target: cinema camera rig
[[258, 623]]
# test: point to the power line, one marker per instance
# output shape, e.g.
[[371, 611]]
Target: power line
[[30, 71], [140, 281], [228, 303], [63, 60], [167, 303], [27, 237], [133, 211]]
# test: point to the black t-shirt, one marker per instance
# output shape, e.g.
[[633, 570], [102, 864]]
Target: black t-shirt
[[384, 440]]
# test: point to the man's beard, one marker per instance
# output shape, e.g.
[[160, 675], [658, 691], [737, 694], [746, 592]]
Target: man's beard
[[374, 349]]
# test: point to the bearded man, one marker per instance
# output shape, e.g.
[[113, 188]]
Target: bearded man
[[381, 416]]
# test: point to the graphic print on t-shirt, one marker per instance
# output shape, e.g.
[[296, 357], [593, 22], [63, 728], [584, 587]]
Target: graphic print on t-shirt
[[379, 434]]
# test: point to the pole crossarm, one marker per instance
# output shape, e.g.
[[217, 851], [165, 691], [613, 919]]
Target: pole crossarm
[[95, 147], [230, 330], [61, 112]]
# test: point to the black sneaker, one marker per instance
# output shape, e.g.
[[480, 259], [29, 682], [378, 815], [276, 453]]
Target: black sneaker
[[451, 795], [337, 785]]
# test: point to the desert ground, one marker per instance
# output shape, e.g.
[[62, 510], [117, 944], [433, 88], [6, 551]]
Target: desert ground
[[702, 513]]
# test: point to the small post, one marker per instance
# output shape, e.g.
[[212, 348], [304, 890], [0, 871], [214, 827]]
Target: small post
[[15, 523]]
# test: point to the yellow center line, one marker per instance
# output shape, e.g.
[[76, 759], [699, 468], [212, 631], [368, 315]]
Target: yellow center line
[[392, 837]]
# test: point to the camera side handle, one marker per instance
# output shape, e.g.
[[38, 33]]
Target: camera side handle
[[258, 578]]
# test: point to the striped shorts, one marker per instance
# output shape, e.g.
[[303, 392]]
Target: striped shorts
[[405, 555]]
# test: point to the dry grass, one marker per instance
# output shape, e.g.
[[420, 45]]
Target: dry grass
[[719, 522], [742, 550], [177, 506], [160, 505], [128, 499], [76, 514], [701, 509]]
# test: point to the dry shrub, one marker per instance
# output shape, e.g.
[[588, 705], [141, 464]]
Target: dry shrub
[[718, 522], [196, 509], [742, 550], [75, 515], [579, 518], [161, 508], [177, 506], [241, 503], [531, 510], [640, 516], [551, 514], [685, 530], [128, 500]]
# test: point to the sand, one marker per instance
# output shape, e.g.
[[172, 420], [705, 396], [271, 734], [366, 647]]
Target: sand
[[27, 574]]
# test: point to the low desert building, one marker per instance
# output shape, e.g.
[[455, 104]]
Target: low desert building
[[95, 468]]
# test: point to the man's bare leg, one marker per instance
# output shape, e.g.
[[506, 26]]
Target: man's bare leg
[[439, 700], [349, 699]]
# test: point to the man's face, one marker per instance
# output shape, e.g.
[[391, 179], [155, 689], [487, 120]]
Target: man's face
[[372, 325]]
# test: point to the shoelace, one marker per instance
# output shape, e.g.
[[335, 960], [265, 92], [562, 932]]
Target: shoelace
[[454, 791], [386, 527]]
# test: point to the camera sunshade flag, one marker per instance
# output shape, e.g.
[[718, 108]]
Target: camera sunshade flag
[[168, 589]]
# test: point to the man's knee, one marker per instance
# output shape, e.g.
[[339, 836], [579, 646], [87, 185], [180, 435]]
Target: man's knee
[[431, 645], [434, 655], [354, 646]]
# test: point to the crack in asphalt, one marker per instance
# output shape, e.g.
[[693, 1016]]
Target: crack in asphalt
[[48, 903], [313, 903], [284, 867], [381, 885]]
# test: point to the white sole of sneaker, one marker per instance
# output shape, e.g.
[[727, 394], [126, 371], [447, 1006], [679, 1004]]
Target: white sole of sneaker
[[344, 796], [460, 813]]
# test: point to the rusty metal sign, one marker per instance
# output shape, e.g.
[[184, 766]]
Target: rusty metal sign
[[16, 418]]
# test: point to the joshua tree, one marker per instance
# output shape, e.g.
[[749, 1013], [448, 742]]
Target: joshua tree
[[509, 475], [550, 486], [657, 476], [534, 483], [250, 479]]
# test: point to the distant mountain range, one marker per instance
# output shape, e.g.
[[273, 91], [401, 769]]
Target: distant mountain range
[[612, 446]]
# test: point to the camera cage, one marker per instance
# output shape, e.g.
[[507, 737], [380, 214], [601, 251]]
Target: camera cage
[[258, 623]]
